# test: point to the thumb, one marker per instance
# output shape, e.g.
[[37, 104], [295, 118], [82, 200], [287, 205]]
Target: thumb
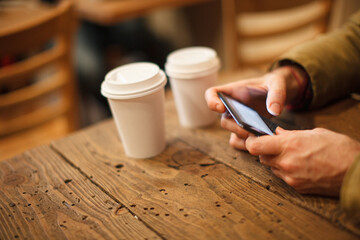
[[276, 96]]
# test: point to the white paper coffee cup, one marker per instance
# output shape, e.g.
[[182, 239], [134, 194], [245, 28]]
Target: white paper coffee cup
[[136, 97], [191, 71]]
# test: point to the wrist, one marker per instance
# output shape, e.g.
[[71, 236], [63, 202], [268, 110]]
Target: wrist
[[301, 79], [296, 81]]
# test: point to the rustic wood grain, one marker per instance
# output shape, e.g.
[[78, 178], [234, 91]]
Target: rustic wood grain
[[84, 186], [44, 197], [341, 117], [186, 194]]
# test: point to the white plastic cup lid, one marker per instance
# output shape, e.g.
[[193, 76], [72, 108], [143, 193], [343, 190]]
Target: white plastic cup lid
[[132, 80], [192, 62]]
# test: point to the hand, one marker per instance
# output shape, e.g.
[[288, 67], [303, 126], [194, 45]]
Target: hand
[[311, 161], [266, 94]]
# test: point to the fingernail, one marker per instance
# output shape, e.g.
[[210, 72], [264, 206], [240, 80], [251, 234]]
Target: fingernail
[[218, 107], [274, 109]]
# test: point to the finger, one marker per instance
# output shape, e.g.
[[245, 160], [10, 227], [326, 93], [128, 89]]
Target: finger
[[292, 182], [233, 89], [237, 142], [230, 125], [277, 172], [276, 95], [213, 100], [268, 160], [264, 145]]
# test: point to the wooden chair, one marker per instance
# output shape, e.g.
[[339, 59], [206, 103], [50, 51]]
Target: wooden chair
[[258, 31], [38, 98]]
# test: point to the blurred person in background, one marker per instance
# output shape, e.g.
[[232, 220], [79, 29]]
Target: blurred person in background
[[100, 48], [311, 75]]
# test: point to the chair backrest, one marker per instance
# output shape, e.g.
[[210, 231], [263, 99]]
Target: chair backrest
[[258, 31], [37, 82]]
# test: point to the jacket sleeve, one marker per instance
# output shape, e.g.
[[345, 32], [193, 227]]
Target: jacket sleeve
[[350, 190], [332, 62]]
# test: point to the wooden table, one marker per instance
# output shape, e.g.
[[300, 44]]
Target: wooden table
[[113, 11], [84, 187]]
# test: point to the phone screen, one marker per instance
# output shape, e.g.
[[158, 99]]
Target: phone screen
[[247, 117]]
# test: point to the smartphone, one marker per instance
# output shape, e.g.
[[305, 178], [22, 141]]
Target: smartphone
[[247, 117]]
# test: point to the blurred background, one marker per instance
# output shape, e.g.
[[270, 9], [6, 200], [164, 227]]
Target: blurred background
[[54, 54]]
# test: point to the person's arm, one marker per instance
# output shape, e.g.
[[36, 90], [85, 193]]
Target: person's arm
[[331, 64], [331, 61]]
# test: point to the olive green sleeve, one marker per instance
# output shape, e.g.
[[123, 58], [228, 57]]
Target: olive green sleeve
[[350, 190], [332, 62]]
